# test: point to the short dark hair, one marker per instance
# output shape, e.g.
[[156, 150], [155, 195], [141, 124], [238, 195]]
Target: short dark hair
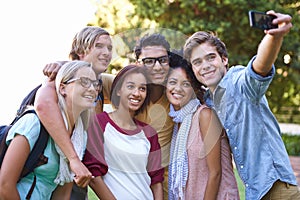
[[155, 39], [118, 82]]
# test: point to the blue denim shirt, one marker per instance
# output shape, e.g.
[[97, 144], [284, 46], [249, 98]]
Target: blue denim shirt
[[253, 131]]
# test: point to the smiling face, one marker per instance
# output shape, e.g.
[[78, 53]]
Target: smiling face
[[132, 92], [158, 72], [178, 89], [100, 54], [208, 66], [77, 97]]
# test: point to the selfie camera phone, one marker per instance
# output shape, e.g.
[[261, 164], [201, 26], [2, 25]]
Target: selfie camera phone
[[261, 20]]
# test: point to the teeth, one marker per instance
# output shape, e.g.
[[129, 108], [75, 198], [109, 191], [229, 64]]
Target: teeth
[[135, 101], [177, 95], [89, 97]]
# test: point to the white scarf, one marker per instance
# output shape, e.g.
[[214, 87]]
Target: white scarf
[[79, 139], [178, 168]]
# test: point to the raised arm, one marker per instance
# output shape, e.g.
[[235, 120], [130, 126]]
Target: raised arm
[[271, 43], [50, 115]]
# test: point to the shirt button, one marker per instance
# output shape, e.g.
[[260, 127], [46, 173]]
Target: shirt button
[[235, 148], [242, 166], [227, 130], [247, 185]]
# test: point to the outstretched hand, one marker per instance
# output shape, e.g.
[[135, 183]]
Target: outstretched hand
[[284, 22], [270, 45]]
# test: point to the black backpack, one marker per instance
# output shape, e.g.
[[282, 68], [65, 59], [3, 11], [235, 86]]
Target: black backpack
[[36, 156]]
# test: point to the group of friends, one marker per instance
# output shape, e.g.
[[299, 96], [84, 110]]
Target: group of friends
[[178, 119]]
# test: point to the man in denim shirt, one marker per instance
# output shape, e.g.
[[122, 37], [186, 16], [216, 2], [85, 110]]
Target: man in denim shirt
[[238, 96]]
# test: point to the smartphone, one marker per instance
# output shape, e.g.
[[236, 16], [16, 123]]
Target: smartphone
[[261, 20]]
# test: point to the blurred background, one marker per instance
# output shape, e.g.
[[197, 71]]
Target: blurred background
[[36, 32]]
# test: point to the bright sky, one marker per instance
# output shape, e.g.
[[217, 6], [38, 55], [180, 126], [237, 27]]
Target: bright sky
[[34, 33]]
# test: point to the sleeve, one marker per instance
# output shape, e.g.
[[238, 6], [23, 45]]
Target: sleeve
[[94, 158], [95, 166], [257, 84], [258, 77], [247, 82], [28, 126], [154, 167]]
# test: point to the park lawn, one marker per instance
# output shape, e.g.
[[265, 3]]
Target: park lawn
[[240, 185], [92, 195]]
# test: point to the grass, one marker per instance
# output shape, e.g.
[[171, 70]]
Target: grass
[[292, 146], [241, 187], [91, 194]]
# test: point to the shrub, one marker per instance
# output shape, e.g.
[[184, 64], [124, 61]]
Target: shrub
[[292, 144]]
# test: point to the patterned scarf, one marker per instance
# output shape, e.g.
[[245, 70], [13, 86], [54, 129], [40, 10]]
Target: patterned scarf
[[79, 140], [178, 168]]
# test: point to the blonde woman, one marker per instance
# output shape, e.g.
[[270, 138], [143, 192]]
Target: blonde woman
[[77, 88]]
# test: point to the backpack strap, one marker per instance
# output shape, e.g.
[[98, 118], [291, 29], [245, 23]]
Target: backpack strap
[[27, 101], [28, 196], [3, 146], [36, 156], [4, 131]]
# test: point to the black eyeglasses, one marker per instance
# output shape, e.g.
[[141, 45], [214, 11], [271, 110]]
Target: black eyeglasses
[[86, 83], [150, 62]]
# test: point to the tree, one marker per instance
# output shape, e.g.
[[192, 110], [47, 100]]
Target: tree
[[229, 19]]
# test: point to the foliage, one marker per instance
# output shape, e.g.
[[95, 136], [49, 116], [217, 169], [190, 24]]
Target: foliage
[[292, 144], [228, 18]]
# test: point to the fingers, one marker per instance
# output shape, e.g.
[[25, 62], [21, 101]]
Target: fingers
[[52, 75], [284, 22], [82, 174], [82, 181], [51, 70]]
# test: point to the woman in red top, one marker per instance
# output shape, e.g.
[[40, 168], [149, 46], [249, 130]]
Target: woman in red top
[[130, 165]]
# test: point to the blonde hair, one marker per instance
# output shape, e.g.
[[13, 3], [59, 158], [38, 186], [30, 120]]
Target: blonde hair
[[66, 73], [84, 40]]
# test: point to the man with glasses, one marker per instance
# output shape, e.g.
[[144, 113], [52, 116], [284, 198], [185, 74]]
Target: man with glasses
[[153, 52]]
